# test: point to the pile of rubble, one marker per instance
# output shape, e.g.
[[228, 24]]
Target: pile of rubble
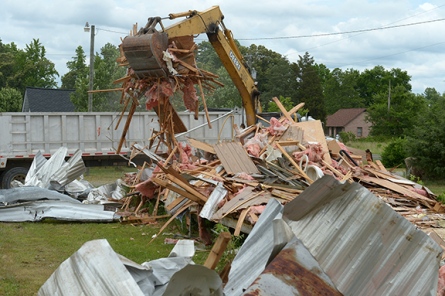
[[231, 182]]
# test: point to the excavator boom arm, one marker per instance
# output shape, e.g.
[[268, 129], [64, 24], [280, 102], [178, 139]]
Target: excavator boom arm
[[210, 22], [144, 51]]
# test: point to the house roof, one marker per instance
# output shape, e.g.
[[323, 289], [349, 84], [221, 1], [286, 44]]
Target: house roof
[[343, 116], [47, 100]]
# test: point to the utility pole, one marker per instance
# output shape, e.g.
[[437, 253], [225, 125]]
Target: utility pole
[[91, 76]]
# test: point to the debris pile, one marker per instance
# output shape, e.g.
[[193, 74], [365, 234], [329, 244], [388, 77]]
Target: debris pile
[[161, 77], [325, 241], [231, 182]]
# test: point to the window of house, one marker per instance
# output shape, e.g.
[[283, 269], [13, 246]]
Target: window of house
[[359, 131]]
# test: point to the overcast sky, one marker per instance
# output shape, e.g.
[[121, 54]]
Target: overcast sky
[[415, 43]]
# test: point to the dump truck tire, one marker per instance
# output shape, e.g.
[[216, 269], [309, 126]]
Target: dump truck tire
[[17, 173]]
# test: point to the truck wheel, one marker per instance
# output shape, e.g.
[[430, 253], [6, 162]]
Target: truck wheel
[[17, 173]]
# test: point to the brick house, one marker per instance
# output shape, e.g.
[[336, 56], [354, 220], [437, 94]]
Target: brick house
[[348, 120]]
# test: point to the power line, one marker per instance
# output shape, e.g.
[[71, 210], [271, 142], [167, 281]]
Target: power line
[[345, 32], [111, 31]]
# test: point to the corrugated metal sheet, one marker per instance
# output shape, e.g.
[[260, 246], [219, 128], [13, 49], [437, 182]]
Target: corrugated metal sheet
[[361, 243], [56, 209], [294, 271], [254, 254], [95, 269], [24, 194]]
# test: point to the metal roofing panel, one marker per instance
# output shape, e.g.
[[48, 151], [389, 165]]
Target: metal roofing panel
[[294, 271], [361, 243], [254, 254], [56, 209], [24, 194], [95, 269]]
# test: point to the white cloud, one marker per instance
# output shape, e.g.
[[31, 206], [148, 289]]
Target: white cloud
[[418, 49]]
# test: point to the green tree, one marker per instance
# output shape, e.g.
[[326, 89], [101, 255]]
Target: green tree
[[432, 96], [310, 90], [401, 116], [378, 80], [106, 71], [8, 53], [77, 69], [340, 90], [227, 96], [274, 75], [426, 141], [285, 101], [32, 68], [10, 100]]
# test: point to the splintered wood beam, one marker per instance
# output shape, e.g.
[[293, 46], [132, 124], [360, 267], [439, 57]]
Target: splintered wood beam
[[105, 90], [282, 109], [178, 212], [204, 104], [239, 224], [123, 79], [126, 127], [217, 250], [292, 161], [178, 190], [292, 111]]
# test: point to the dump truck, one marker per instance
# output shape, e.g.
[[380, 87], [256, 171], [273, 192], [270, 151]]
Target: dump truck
[[95, 134]]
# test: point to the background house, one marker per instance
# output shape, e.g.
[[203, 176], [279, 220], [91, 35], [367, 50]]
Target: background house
[[348, 120], [47, 100]]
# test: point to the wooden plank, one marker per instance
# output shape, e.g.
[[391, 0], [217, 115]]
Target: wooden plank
[[202, 145], [293, 133], [313, 132], [204, 104], [292, 161], [178, 190], [283, 110], [244, 199], [174, 203], [292, 111], [234, 158], [217, 250], [179, 126], [240, 222], [186, 186], [402, 190]]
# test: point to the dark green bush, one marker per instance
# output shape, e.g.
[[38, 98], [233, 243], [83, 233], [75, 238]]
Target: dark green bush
[[347, 137], [395, 153]]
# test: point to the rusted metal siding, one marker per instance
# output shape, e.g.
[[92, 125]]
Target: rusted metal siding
[[364, 246]]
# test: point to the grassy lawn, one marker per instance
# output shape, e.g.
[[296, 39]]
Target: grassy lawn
[[31, 252]]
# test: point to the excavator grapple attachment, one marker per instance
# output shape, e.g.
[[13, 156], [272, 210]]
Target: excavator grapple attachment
[[144, 54]]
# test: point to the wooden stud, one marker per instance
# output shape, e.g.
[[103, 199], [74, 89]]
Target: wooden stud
[[217, 250]]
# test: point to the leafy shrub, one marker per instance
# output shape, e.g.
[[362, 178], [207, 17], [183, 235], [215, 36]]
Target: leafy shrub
[[347, 137], [395, 153]]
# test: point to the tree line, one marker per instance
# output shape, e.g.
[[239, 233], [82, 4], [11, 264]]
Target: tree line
[[393, 109]]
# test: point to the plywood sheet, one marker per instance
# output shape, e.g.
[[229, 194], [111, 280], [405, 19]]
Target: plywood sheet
[[234, 158], [313, 132]]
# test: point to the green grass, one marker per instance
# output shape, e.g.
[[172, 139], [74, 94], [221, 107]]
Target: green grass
[[374, 147], [98, 176], [31, 252]]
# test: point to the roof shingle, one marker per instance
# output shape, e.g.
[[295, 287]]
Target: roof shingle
[[343, 116], [47, 100]]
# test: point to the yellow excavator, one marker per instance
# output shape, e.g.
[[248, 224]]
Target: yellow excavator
[[145, 50]]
